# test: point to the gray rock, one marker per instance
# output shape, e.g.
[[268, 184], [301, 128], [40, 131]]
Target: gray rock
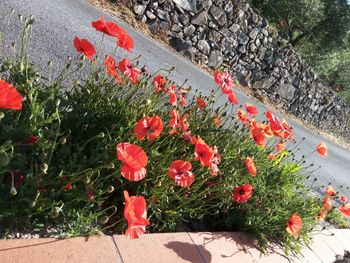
[[200, 19], [188, 5], [243, 39], [240, 14], [287, 91], [139, 9], [218, 15], [253, 34], [203, 46], [228, 7], [215, 59], [214, 36], [176, 28], [189, 30], [204, 4], [150, 15], [242, 49], [265, 83], [234, 28]]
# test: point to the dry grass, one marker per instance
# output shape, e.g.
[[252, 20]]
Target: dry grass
[[124, 12]]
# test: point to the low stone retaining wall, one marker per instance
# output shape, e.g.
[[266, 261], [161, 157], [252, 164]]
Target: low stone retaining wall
[[230, 34]]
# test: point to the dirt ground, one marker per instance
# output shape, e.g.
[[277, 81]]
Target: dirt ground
[[123, 12]]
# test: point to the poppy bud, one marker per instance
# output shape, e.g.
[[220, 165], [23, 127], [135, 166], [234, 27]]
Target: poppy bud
[[100, 135], [144, 69], [2, 115], [32, 204], [20, 18], [57, 102], [13, 191], [103, 220], [54, 213], [31, 20], [110, 189], [86, 180], [44, 167], [110, 166], [63, 140], [4, 159]]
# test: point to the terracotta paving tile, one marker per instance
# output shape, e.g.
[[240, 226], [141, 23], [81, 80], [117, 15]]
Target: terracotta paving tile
[[49, 250], [221, 247], [158, 248]]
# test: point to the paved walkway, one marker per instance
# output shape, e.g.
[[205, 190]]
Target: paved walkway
[[167, 248]]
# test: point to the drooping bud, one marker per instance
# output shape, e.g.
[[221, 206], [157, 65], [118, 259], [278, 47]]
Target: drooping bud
[[86, 180], [63, 140], [100, 135], [4, 159], [13, 191], [54, 213], [44, 167], [110, 166], [103, 220], [110, 189]]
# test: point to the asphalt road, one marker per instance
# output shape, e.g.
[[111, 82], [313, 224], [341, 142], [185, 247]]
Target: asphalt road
[[57, 22]]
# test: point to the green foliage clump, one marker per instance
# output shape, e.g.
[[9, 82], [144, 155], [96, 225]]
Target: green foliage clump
[[59, 153]]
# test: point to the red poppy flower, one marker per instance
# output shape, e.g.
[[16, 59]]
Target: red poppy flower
[[280, 147], [327, 202], [9, 97], [183, 94], [242, 116], [280, 128], [266, 130], [178, 122], [109, 28], [251, 109], [151, 127], [258, 136], [135, 214], [322, 214], [249, 162], [180, 172], [343, 199], [125, 41], [203, 153], [330, 191], [224, 80], [216, 121], [232, 97], [129, 70], [294, 225], [271, 156], [200, 103], [159, 83], [110, 65], [242, 194], [112, 69], [134, 160], [322, 149], [85, 47], [345, 209], [172, 95]]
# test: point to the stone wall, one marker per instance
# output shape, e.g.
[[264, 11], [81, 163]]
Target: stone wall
[[230, 34]]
